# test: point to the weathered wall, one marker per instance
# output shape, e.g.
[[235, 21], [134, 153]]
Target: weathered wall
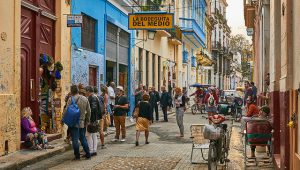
[[62, 54], [81, 60], [10, 75]]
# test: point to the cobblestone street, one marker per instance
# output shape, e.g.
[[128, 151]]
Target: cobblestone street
[[165, 151]]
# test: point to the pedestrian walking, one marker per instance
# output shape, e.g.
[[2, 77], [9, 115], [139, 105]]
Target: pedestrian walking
[[254, 90], [156, 104], [138, 94], [180, 109], [103, 99], [144, 118], [93, 127], [164, 102], [120, 111], [248, 91], [111, 101], [153, 102], [79, 130]]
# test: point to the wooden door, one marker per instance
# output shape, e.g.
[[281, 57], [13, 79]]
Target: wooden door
[[37, 37], [28, 62], [294, 138], [122, 79], [92, 76]]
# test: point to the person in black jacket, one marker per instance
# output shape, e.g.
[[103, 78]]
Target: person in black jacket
[[96, 115], [144, 118], [153, 101], [164, 102]]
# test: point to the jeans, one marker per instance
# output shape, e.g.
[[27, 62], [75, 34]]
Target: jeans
[[120, 126], [111, 116], [92, 141], [79, 134], [179, 119], [156, 112], [165, 112]]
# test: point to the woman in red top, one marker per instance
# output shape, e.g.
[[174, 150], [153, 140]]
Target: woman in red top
[[252, 110], [251, 107]]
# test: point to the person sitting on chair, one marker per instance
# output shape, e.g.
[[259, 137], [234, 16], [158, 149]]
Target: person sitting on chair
[[262, 115]]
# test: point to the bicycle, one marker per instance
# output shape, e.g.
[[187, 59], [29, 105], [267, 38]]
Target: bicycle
[[198, 107], [219, 140]]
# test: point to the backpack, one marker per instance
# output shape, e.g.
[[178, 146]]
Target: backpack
[[211, 100], [72, 115], [101, 105]]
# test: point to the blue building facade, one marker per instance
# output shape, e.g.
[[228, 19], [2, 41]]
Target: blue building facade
[[101, 49]]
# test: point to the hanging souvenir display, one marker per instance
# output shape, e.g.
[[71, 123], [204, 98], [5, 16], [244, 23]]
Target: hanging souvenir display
[[50, 73]]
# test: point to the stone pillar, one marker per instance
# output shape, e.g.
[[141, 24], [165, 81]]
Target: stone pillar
[[274, 70]]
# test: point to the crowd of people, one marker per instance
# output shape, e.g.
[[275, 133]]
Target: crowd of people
[[98, 111]]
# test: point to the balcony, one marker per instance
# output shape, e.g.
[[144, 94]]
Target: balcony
[[193, 61], [216, 46], [176, 36], [185, 57], [193, 32]]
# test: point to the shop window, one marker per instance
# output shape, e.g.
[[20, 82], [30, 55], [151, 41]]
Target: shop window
[[88, 33]]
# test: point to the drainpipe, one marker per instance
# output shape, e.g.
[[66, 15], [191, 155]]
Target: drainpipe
[[118, 55]]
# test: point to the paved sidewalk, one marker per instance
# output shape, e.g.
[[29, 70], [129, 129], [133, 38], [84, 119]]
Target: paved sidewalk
[[22, 158]]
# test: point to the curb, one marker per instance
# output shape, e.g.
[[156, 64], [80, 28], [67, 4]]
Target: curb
[[61, 148]]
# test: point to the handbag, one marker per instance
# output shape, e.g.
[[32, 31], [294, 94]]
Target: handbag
[[93, 127], [136, 112], [106, 120]]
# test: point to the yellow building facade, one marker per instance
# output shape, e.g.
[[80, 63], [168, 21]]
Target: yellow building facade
[[15, 30]]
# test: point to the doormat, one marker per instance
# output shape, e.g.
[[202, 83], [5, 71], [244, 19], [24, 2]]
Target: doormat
[[138, 163]]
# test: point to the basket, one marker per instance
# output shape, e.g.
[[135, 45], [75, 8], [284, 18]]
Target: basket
[[212, 133]]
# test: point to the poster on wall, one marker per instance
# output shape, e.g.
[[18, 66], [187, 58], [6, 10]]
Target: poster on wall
[[74, 20]]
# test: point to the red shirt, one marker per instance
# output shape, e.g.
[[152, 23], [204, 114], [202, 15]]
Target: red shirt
[[252, 110], [215, 97]]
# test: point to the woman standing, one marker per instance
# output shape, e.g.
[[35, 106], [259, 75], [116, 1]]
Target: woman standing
[[104, 122], [144, 118], [180, 109]]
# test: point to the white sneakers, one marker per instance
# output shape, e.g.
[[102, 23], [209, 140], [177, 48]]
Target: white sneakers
[[116, 140]]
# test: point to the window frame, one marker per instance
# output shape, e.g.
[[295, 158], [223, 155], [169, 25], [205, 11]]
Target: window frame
[[83, 34]]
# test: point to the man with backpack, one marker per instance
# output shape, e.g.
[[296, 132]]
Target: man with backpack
[[78, 104], [211, 101]]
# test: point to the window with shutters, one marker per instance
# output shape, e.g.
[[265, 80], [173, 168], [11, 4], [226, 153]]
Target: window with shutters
[[88, 33]]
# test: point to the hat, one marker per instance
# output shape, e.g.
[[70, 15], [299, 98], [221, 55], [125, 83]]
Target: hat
[[265, 109], [120, 88]]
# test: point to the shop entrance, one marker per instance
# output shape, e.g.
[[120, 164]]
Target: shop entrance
[[111, 72]]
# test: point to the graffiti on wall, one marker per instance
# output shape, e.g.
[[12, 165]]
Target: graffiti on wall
[[81, 60]]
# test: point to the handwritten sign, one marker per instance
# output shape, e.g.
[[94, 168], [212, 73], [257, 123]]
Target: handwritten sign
[[150, 21]]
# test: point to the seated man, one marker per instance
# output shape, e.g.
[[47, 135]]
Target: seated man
[[263, 115], [198, 95]]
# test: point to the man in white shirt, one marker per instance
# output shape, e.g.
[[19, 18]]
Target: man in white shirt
[[111, 100]]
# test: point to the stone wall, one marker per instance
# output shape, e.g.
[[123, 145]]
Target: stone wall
[[10, 76]]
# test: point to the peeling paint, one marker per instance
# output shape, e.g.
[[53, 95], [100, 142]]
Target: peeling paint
[[81, 60]]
